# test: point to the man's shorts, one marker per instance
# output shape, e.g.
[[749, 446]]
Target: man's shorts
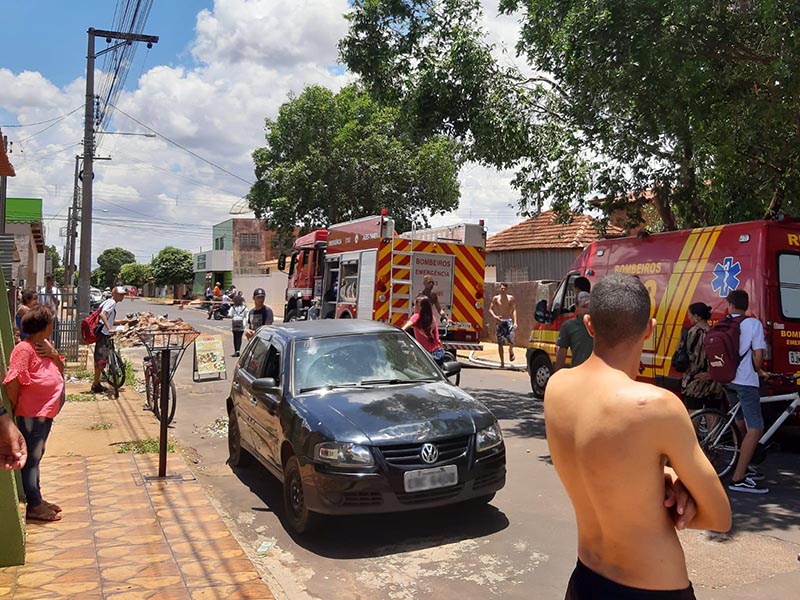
[[750, 409], [585, 584], [505, 331], [101, 350]]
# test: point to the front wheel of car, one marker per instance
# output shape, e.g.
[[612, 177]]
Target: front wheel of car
[[237, 456], [540, 370], [301, 520]]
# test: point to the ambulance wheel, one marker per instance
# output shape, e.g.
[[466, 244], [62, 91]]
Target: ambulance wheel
[[539, 370]]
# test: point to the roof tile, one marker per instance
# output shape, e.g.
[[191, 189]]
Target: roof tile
[[543, 232]]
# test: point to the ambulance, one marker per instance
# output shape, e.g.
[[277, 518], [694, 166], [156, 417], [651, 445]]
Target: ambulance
[[679, 268], [362, 269]]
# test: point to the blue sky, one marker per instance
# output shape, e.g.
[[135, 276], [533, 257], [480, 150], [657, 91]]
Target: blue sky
[[55, 45]]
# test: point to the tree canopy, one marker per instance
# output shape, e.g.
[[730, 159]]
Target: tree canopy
[[135, 274], [689, 104], [173, 266], [110, 261], [334, 157], [56, 268]]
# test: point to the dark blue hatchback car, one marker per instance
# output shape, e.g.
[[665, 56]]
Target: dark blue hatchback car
[[355, 417]]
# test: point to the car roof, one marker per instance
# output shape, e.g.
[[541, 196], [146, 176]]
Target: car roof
[[300, 330]]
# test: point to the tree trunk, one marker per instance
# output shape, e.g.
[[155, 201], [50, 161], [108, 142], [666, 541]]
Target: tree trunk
[[774, 205], [663, 208]]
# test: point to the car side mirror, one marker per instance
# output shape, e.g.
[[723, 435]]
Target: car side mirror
[[451, 367], [282, 262], [265, 385], [541, 314]]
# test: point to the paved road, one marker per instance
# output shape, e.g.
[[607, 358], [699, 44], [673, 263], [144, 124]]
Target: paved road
[[522, 546]]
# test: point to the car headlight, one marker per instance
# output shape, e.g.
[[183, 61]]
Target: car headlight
[[341, 454], [489, 437]]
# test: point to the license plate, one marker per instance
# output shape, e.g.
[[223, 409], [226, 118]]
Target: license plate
[[794, 357], [429, 479]]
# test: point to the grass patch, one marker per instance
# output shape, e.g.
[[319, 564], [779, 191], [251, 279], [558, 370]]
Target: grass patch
[[82, 375], [85, 397], [100, 427], [142, 447], [130, 374]]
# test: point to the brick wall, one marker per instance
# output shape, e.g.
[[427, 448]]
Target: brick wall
[[246, 258]]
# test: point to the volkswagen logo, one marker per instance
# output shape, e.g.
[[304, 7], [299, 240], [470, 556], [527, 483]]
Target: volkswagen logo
[[429, 453]]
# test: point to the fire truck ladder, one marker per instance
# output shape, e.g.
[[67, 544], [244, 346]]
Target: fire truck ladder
[[400, 285]]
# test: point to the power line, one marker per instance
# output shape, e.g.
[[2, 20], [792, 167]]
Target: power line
[[57, 121], [174, 143], [43, 122]]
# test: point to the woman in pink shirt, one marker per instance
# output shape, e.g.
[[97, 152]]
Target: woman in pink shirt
[[425, 329], [35, 385]]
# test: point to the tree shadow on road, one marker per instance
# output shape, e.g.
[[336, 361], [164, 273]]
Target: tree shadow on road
[[511, 406], [369, 536]]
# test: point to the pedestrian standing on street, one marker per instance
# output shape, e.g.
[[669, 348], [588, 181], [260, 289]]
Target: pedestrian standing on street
[[574, 336], [35, 386], [426, 332], [29, 300], [259, 315], [698, 390], [50, 296], [238, 318], [611, 453], [217, 297], [108, 316], [503, 310], [745, 388]]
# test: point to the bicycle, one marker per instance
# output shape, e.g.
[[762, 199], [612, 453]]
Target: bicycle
[[115, 368], [719, 436], [152, 385]]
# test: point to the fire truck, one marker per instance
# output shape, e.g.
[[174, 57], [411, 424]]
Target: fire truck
[[362, 269], [679, 268]]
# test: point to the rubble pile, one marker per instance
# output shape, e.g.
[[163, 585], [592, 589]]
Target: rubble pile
[[147, 322]]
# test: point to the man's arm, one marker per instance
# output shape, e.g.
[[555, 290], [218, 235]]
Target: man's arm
[[491, 309], [677, 440], [562, 344], [561, 359]]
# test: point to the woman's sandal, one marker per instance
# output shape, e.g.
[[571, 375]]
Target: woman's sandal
[[45, 516]]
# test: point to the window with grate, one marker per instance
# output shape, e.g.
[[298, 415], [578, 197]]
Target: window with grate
[[219, 243], [201, 262], [249, 240], [517, 274]]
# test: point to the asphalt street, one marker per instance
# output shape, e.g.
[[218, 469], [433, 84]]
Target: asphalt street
[[520, 546]]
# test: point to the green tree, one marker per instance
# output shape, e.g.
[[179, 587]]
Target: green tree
[[111, 260], [51, 253], [135, 274], [173, 266], [98, 278], [335, 157], [688, 104]]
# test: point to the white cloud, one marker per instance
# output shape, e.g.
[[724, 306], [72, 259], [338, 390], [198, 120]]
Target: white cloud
[[250, 54]]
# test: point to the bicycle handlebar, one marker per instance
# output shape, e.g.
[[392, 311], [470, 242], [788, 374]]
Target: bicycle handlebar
[[790, 378]]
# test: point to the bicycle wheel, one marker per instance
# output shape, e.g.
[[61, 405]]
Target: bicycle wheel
[[171, 404], [148, 387], [719, 440], [116, 371]]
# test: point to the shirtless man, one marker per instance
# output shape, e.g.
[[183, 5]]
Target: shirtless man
[[610, 437], [503, 309], [427, 290]]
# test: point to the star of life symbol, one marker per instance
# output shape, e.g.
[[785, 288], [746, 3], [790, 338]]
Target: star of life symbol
[[726, 276]]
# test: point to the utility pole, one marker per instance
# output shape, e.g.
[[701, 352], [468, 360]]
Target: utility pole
[[84, 279]]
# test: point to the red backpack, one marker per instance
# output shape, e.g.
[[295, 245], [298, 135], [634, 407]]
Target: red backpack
[[89, 327], [722, 349]]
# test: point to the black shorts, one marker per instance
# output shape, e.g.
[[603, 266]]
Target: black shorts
[[585, 584], [101, 350]]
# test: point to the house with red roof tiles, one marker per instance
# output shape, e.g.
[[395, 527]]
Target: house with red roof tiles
[[541, 248]]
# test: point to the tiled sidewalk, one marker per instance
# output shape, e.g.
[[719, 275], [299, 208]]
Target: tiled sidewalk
[[123, 538]]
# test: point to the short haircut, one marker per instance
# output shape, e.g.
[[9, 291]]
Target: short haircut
[[739, 299], [582, 284], [36, 319], [619, 309], [28, 295]]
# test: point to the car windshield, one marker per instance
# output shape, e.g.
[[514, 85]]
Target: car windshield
[[364, 359]]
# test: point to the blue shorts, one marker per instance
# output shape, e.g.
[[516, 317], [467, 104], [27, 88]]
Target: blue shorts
[[750, 408]]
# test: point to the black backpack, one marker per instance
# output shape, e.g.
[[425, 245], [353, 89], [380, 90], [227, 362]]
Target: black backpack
[[680, 359]]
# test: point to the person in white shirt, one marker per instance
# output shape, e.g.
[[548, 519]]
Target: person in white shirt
[[108, 316], [745, 388], [50, 296]]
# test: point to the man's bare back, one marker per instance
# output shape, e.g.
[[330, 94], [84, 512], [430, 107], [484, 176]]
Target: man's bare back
[[610, 437]]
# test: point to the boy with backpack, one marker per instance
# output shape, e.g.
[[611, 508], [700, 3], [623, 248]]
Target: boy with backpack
[[743, 383]]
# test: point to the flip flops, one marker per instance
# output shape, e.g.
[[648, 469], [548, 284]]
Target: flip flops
[[42, 516]]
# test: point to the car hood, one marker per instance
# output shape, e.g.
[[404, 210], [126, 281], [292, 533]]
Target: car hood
[[394, 413]]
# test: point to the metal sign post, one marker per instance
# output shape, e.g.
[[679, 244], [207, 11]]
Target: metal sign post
[[163, 342]]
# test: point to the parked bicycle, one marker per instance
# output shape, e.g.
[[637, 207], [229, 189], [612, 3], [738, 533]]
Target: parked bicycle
[[720, 438], [114, 373], [152, 384]]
